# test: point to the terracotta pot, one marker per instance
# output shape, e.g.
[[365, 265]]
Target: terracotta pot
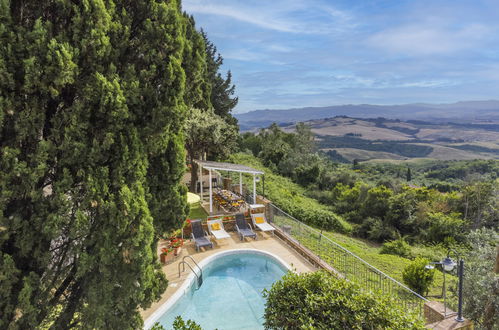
[[165, 258]]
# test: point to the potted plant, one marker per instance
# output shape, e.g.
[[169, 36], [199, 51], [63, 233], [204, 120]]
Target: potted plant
[[176, 243], [166, 255]]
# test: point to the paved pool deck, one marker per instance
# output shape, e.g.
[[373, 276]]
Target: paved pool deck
[[265, 242]]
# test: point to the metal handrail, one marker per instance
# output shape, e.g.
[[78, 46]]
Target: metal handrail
[[350, 253], [195, 263], [199, 279]]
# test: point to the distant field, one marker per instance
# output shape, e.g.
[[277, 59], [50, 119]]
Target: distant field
[[395, 140], [364, 129], [457, 133], [449, 153], [352, 153]]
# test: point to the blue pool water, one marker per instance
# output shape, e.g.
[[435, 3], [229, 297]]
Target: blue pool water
[[231, 294]]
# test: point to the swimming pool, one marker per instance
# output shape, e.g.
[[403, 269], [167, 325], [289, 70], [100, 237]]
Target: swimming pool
[[231, 294]]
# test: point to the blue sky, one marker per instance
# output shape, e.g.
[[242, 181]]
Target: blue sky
[[296, 53]]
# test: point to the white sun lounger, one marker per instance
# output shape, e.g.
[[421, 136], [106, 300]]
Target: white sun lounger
[[218, 233], [260, 221]]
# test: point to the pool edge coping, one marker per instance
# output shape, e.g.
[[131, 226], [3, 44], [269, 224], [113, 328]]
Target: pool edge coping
[[181, 291]]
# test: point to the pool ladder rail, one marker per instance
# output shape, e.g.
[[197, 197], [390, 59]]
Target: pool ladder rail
[[199, 276]]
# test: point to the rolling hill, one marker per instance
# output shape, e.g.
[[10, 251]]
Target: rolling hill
[[466, 111], [381, 138]]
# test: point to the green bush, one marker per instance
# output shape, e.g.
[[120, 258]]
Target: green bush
[[179, 324], [321, 301], [397, 247], [417, 277], [443, 226]]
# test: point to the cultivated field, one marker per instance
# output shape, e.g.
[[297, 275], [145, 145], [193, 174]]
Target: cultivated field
[[395, 140]]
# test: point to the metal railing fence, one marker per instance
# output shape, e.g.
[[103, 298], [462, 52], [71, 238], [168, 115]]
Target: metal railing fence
[[345, 262]]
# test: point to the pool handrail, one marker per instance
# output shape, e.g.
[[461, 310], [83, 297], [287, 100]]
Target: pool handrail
[[199, 279], [195, 263]]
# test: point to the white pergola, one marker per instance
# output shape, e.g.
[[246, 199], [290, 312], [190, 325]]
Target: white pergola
[[216, 166]]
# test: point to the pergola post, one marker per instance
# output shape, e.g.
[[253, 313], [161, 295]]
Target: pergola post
[[211, 194], [254, 188], [241, 183]]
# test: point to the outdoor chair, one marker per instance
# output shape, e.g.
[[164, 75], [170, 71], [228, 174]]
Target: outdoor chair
[[259, 220], [216, 228], [242, 227], [199, 235]]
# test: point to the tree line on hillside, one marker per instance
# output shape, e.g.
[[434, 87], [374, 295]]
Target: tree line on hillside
[[95, 97], [401, 148]]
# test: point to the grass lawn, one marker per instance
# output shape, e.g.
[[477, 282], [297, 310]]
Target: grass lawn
[[197, 212], [389, 264]]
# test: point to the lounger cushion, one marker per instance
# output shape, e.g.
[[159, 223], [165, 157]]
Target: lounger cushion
[[215, 226], [259, 220]]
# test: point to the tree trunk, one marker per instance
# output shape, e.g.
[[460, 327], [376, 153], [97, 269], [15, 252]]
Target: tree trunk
[[194, 172]]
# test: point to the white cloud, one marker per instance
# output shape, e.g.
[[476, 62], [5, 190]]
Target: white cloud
[[278, 15], [427, 84], [243, 55], [422, 39]]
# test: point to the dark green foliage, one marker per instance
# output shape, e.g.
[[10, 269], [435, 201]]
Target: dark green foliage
[[461, 169], [398, 148], [408, 176], [198, 91], [250, 142], [417, 277], [397, 247], [475, 148], [207, 133], [335, 156], [91, 145], [384, 214], [222, 90], [321, 301], [290, 154], [479, 203], [442, 226], [355, 164], [179, 324], [481, 284]]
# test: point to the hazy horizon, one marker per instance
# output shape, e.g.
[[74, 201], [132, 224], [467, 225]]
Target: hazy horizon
[[371, 104]]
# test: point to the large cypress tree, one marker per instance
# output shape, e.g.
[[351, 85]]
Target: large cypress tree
[[91, 150], [198, 87], [222, 90]]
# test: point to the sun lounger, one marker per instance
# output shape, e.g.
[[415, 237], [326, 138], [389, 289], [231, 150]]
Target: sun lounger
[[216, 228], [199, 235], [242, 227], [260, 221]]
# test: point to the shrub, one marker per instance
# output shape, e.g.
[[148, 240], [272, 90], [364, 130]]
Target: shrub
[[417, 277], [376, 230], [179, 324], [321, 301], [397, 247], [442, 226], [481, 301]]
